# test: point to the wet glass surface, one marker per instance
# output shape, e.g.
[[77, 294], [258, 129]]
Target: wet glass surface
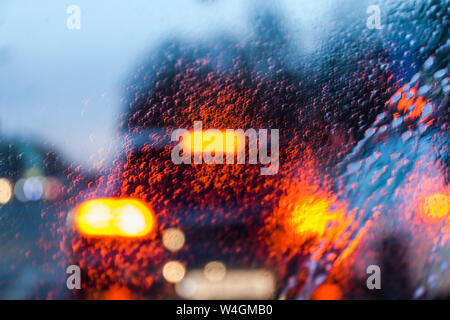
[[354, 96]]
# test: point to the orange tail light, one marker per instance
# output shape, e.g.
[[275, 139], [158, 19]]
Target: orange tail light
[[111, 217]]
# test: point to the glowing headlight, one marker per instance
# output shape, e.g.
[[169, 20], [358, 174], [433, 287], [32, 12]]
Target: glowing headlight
[[114, 217]]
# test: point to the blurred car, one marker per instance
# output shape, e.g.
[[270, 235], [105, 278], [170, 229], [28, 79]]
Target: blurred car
[[154, 229], [30, 171], [193, 250], [204, 238]]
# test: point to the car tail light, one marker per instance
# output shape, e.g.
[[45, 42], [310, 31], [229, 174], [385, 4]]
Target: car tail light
[[114, 218], [225, 142]]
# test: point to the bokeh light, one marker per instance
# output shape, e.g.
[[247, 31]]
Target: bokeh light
[[52, 189], [327, 291], [174, 271], [19, 192], [6, 191], [173, 239], [237, 284], [33, 188], [215, 271]]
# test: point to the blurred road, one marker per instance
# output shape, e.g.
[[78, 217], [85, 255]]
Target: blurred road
[[27, 250]]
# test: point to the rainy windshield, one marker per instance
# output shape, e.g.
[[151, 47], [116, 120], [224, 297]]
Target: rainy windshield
[[224, 150]]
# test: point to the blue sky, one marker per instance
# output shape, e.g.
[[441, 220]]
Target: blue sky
[[64, 86]]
